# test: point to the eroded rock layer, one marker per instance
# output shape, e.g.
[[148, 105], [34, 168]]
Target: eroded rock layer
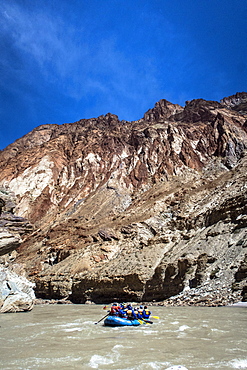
[[144, 210], [16, 292]]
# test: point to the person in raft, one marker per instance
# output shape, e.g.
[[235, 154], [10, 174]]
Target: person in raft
[[146, 313], [124, 310], [118, 310], [131, 313], [114, 311], [139, 312]]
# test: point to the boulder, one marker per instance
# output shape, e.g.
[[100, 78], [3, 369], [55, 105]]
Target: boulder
[[16, 292], [8, 242]]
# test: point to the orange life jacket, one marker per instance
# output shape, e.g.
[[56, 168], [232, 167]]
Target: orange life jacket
[[114, 310]]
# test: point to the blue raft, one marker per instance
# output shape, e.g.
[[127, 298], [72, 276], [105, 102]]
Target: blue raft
[[120, 321]]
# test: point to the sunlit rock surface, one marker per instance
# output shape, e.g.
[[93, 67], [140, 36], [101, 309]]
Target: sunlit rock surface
[[16, 292], [149, 210]]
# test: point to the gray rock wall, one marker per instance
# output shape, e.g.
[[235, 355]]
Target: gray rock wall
[[16, 292]]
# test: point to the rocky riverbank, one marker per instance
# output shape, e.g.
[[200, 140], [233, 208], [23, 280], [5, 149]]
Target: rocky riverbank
[[16, 291]]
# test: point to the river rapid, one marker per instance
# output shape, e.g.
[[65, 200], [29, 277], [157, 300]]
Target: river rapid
[[56, 337]]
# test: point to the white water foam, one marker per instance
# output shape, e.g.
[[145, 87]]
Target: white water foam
[[177, 367], [110, 358], [148, 332], [238, 364], [183, 327], [155, 365], [73, 329], [218, 330], [97, 360]]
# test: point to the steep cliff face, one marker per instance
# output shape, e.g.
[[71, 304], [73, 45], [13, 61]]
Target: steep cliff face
[[139, 210], [12, 227]]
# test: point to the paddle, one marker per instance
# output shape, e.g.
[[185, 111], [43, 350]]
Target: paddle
[[155, 317], [148, 321], [145, 321], [102, 318], [140, 321]]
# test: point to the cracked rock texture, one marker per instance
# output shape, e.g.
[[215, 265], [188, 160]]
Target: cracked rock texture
[[153, 210], [12, 227], [16, 292]]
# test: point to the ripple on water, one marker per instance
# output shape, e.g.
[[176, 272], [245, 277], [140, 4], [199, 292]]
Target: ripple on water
[[234, 364], [72, 329], [37, 362], [155, 365]]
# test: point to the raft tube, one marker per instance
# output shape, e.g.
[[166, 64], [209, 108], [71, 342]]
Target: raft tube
[[120, 321]]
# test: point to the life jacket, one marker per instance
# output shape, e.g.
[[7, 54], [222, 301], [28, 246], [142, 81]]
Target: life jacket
[[138, 314], [146, 313], [122, 313], [114, 310], [131, 314]]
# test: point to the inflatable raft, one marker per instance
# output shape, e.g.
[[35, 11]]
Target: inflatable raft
[[120, 321]]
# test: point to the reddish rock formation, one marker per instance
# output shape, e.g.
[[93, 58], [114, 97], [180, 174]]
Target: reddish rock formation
[[132, 210]]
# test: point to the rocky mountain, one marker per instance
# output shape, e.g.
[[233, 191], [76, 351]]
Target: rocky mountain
[[149, 210]]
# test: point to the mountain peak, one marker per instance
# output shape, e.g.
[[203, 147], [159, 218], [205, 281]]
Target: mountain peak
[[162, 110], [237, 102]]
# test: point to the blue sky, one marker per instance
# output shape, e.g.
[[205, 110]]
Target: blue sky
[[64, 60]]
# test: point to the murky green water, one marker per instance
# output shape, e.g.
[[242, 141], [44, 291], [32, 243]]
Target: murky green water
[[66, 337]]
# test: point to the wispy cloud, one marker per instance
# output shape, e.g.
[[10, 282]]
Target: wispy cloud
[[75, 60], [42, 36]]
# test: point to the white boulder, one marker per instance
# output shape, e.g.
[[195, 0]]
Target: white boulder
[[16, 292]]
